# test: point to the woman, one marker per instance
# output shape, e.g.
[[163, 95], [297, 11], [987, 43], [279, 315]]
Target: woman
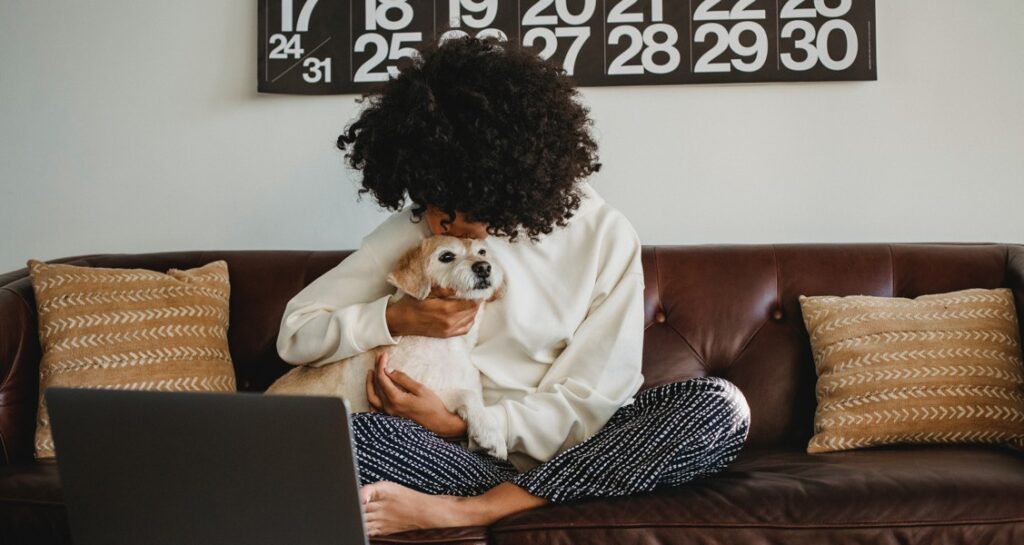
[[487, 141]]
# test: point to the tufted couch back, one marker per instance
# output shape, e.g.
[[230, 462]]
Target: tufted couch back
[[724, 310]]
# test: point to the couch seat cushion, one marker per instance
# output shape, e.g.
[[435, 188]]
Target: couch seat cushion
[[922, 494], [31, 504], [968, 494], [32, 511]]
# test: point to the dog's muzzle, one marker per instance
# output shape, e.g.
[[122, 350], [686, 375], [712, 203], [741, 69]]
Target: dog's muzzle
[[482, 270]]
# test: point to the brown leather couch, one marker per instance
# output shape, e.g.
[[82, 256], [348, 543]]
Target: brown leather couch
[[729, 311]]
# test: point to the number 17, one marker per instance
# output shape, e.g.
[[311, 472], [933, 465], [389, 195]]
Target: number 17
[[302, 25]]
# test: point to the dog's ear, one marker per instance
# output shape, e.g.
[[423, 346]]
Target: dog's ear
[[499, 291], [410, 273]]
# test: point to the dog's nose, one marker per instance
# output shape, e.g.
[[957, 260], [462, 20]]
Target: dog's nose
[[482, 269]]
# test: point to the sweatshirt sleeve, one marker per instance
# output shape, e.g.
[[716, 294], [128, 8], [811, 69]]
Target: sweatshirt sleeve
[[597, 372], [338, 315]]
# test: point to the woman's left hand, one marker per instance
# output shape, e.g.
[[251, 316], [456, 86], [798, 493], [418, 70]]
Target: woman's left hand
[[395, 393]]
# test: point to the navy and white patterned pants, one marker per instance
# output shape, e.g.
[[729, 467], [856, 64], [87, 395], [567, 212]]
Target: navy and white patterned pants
[[669, 435]]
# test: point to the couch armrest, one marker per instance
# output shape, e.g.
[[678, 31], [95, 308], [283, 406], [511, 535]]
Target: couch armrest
[[1015, 279], [19, 370], [19, 362]]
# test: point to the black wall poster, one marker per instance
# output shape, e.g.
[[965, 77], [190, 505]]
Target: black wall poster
[[348, 46]]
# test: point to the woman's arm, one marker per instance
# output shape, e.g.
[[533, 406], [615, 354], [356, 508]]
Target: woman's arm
[[340, 314], [596, 373], [349, 309], [395, 393]]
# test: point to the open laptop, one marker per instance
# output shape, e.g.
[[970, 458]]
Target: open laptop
[[205, 468]]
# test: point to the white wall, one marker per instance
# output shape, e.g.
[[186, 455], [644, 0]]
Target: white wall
[[130, 126]]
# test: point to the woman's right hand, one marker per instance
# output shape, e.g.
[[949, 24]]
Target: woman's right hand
[[436, 316]]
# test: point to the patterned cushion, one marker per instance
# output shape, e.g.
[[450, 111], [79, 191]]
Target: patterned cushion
[[941, 368], [130, 329]]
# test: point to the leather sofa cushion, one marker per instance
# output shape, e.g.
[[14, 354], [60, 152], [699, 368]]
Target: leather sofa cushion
[[962, 494], [32, 511]]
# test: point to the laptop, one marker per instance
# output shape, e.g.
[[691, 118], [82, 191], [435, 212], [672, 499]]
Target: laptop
[[205, 468]]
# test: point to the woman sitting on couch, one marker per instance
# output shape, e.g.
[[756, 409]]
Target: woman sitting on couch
[[485, 138]]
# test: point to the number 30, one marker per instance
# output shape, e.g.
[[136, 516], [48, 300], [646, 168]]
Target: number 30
[[818, 50]]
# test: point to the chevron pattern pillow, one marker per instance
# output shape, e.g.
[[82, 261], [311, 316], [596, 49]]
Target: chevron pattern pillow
[[941, 368], [130, 329]]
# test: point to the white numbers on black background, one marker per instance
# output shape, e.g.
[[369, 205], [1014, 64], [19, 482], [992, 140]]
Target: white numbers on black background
[[475, 15], [730, 30], [348, 46], [552, 21], [655, 36], [813, 41], [385, 36]]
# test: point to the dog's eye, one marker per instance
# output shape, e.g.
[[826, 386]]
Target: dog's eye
[[446, 257], [482, 252]]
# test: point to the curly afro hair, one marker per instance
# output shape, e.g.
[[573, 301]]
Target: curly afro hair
[[478, 126]]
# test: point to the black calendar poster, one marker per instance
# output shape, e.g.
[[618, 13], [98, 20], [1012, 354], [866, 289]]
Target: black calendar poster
[[348, 46]]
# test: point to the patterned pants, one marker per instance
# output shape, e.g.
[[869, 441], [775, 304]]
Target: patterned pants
[[669, 435]]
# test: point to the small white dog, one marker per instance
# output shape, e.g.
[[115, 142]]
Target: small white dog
[[441, 364]]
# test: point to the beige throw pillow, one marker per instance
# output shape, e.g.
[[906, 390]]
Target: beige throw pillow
[[941, 368], [130, 329]]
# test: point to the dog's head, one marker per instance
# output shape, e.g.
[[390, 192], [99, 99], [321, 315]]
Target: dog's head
[[457, 264]]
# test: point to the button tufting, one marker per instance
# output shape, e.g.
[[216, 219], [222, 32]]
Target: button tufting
[[659, 317], [777, 314]]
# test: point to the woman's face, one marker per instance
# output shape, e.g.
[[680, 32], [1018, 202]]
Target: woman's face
[[460, 227]]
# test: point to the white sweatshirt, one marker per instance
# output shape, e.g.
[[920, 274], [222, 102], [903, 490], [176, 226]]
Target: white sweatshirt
[[558, 355]]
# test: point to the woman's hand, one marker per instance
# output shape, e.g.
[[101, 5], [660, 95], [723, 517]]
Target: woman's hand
[[396, 394], [435, 316]]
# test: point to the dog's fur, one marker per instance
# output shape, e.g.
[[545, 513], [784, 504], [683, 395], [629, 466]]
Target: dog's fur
[[441, 364]]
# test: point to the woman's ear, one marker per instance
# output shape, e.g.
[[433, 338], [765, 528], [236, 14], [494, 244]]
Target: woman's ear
[[434, 221], [410, 273]]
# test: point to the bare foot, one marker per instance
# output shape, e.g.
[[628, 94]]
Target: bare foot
[[392, 508]]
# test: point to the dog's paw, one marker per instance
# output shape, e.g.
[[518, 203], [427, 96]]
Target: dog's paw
[[491, 440], [486, 434], [482, 428]]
